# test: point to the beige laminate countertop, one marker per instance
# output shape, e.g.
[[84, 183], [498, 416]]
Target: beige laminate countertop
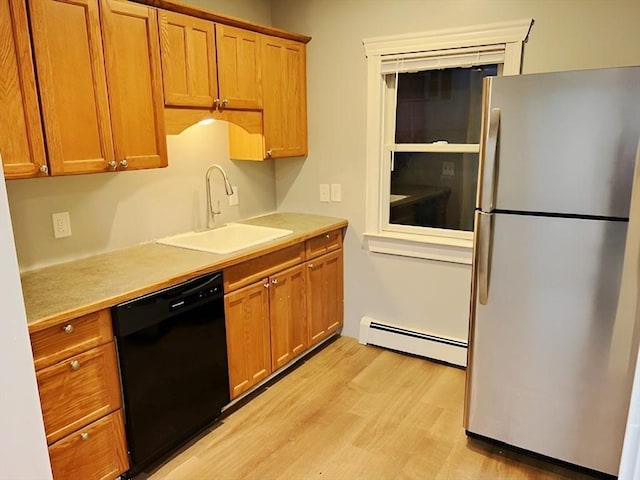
[[67, 290]]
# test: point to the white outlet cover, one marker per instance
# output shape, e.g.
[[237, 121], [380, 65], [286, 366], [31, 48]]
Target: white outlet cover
[[61, 224], [325, 195], [233, 199], [336, 192]]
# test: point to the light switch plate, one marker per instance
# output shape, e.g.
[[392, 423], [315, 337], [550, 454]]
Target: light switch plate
[[336, 192], [233, 199], [61, 224], [324, 192]]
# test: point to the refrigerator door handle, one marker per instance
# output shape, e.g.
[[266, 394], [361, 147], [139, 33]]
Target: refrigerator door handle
[[485, 222], [490, 162]]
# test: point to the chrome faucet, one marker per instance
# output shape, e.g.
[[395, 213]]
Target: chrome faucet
[[211, 213]]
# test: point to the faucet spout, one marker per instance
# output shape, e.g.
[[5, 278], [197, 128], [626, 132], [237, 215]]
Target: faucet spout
[[211, 213]]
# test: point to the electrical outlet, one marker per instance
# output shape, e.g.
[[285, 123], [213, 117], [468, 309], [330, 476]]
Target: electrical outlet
[[233, 199], [61, 224], [336, 192], [448, 169], [325, 196]]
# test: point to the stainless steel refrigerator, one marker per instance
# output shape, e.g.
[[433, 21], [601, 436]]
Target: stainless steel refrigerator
[[552, 350]]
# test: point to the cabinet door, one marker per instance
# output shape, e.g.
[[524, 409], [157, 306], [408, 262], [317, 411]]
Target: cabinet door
[[132, 55], [188, 60], [324, 296], [285, 97], [239, 69], [287, 309], [21, 141], [248, 338], [70, 68]]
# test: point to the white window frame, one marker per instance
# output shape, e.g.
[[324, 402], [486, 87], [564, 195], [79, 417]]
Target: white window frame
[[435, 49]]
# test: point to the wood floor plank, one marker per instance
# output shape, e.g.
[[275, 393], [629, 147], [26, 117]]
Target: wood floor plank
[[354, 412]]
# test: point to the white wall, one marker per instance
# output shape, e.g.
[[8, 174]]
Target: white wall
[[258, 11], [23, 448], [431, 296]]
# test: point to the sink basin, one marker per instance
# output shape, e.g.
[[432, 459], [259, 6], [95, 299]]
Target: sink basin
[[226, 239]]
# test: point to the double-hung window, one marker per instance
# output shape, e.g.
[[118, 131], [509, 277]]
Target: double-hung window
[[423, 135]]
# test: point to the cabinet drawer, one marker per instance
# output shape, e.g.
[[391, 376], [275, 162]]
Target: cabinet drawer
[[78, 391], [323, 244], [98, 451], [70, 338], [251, 271]]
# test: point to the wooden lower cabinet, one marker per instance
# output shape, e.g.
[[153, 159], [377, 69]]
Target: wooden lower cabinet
[[288, 315], [248, 337], [79, 386], [324, 296], [95, 452]]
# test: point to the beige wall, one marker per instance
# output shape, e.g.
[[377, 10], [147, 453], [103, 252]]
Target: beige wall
[[116, 210], [431, 296]]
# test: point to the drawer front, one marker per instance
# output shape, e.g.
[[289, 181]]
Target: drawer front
[[70, 338], [79, 390], [322, 244], [251, 271], [95, 452]]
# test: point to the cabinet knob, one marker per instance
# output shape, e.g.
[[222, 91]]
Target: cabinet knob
[[310, 265], [112, 165], [84, 436], [225, 102], [124, 163], [75, 365], [327, 236], [274, 281], [216, 103], [266, 285], [269, 153], [44, 169], [67, 328]]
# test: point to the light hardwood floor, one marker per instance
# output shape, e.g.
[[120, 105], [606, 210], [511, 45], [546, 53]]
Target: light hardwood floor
[[354, 412]]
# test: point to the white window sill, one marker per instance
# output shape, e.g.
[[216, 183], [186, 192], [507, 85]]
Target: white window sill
[[431, 247]]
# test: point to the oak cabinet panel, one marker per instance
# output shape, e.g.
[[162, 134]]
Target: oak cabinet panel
[[288, 316], [248, 337], [324, 296], [132, 57], [239, 68], [285, 97], [189, 69], [21, 139], [72, 82], [96, 452]]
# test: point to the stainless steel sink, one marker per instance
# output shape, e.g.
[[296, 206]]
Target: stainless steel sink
[[226, 239]]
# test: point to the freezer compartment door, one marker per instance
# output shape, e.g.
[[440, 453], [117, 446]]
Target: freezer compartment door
[[567, 141], [550, 371]]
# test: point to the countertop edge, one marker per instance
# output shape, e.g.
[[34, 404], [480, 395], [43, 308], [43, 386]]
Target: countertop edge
[[36, 325]]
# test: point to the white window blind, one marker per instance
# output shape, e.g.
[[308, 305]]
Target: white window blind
[[438, 59]]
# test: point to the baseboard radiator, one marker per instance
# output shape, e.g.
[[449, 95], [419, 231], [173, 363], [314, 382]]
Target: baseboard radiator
[[394, 337]]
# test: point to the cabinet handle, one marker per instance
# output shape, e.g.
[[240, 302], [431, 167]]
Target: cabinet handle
[[225, 102], [75, 365], [112, 165], [44, 169], [67, 328], [310, 265], [269, 153], [327, 236], [84, 436], [266, 285], [216, 103], [124, 163], [274, 281]]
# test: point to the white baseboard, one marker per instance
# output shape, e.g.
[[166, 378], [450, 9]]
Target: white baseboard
[[394, 337]]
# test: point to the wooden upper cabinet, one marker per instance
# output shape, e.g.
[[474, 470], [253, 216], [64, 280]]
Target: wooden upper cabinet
[[239, 68], [70, 65], [188, 52], [284, 97], [21, 140], [134, 79]]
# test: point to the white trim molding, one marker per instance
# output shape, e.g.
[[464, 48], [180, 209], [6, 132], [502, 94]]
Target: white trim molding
[[504, 38]]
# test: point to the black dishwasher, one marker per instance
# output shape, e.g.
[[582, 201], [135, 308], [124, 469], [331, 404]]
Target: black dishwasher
[[173, 365]]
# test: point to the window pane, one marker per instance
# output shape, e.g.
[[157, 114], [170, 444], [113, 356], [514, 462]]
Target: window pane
[[434, 190], [436, 105]]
